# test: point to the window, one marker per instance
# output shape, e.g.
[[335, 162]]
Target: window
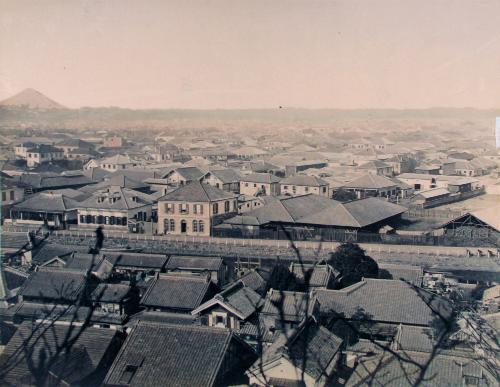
[[226, 206], [306, 189], [11, 194], [219, 320], [82, 218], [285, 187], [255, 185], [215, 208], [195, 209], [128, 374], [169, 208], [201, 226], [172, 225], [324, 189], [4, 196], [184, 208], [124, 221], [246, 184], [201, 209], [100, 219], [166, 224], [195, 226]]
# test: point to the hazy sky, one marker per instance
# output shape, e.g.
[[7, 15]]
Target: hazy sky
[[252, 53]]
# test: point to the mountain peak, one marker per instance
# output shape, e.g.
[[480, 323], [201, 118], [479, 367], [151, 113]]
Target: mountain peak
[[31, 99]]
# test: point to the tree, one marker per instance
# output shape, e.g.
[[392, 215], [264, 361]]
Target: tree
[[281, 278], [352, 264], [342, 195]]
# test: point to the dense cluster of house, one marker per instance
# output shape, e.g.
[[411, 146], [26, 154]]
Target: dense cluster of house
[[237, 187], [124, 318]]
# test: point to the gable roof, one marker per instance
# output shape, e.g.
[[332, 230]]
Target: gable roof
[[237, 298], [401, 369], [193, 262], [139, 260], [303, 180], [81, 359], [173, 355], [261, 178], [177, 292], [197, 192], [226, 175], [55, 284], [319, 275], [190, 173], [407, 305], [291, 306], [311, 348]]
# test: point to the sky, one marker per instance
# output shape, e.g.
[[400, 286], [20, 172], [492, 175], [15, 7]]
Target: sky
[[253, 53]]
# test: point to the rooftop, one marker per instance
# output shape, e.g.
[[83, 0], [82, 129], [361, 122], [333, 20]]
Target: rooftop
[[197, 192]]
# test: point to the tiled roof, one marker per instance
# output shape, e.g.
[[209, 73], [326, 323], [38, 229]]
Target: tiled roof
[[318, 210], [191, 173], [53, 181], [162, 317], [110, 293], [81, 359], [292, 306], [83, 261], [197, 192], [120, 181], [56, 284], [51, 250], [319, 275], [179, 292], [407, 273], [310, 348], [116, 160], [48, 201], [125, 199], [173, 355], [303, 180], [226, 175], [14, 278], [442, 370], [192, 262], [391, 301], [261, 178], [371, 181], [254, 279], [417, 339], [140, 260], [238, 298]]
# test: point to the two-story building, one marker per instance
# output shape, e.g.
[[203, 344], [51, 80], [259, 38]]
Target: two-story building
[[303, 184], [193, 209], [116, 208], [43, 153], [225, 179], [260, 184]]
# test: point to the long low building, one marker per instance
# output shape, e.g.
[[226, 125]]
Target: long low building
[[316, 212]]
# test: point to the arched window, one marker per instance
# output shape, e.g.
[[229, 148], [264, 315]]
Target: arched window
[[195, 226], [183, 226], [201, 226], [172, 225]]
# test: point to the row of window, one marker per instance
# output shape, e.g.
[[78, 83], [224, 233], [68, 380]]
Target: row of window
[[184, 208], [169, 225], [100, 219], [306, 188]]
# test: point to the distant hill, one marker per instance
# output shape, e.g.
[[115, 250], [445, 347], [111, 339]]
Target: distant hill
[[31, 99]]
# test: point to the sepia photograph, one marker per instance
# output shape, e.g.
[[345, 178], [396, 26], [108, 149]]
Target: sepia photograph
[[229, 193]]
